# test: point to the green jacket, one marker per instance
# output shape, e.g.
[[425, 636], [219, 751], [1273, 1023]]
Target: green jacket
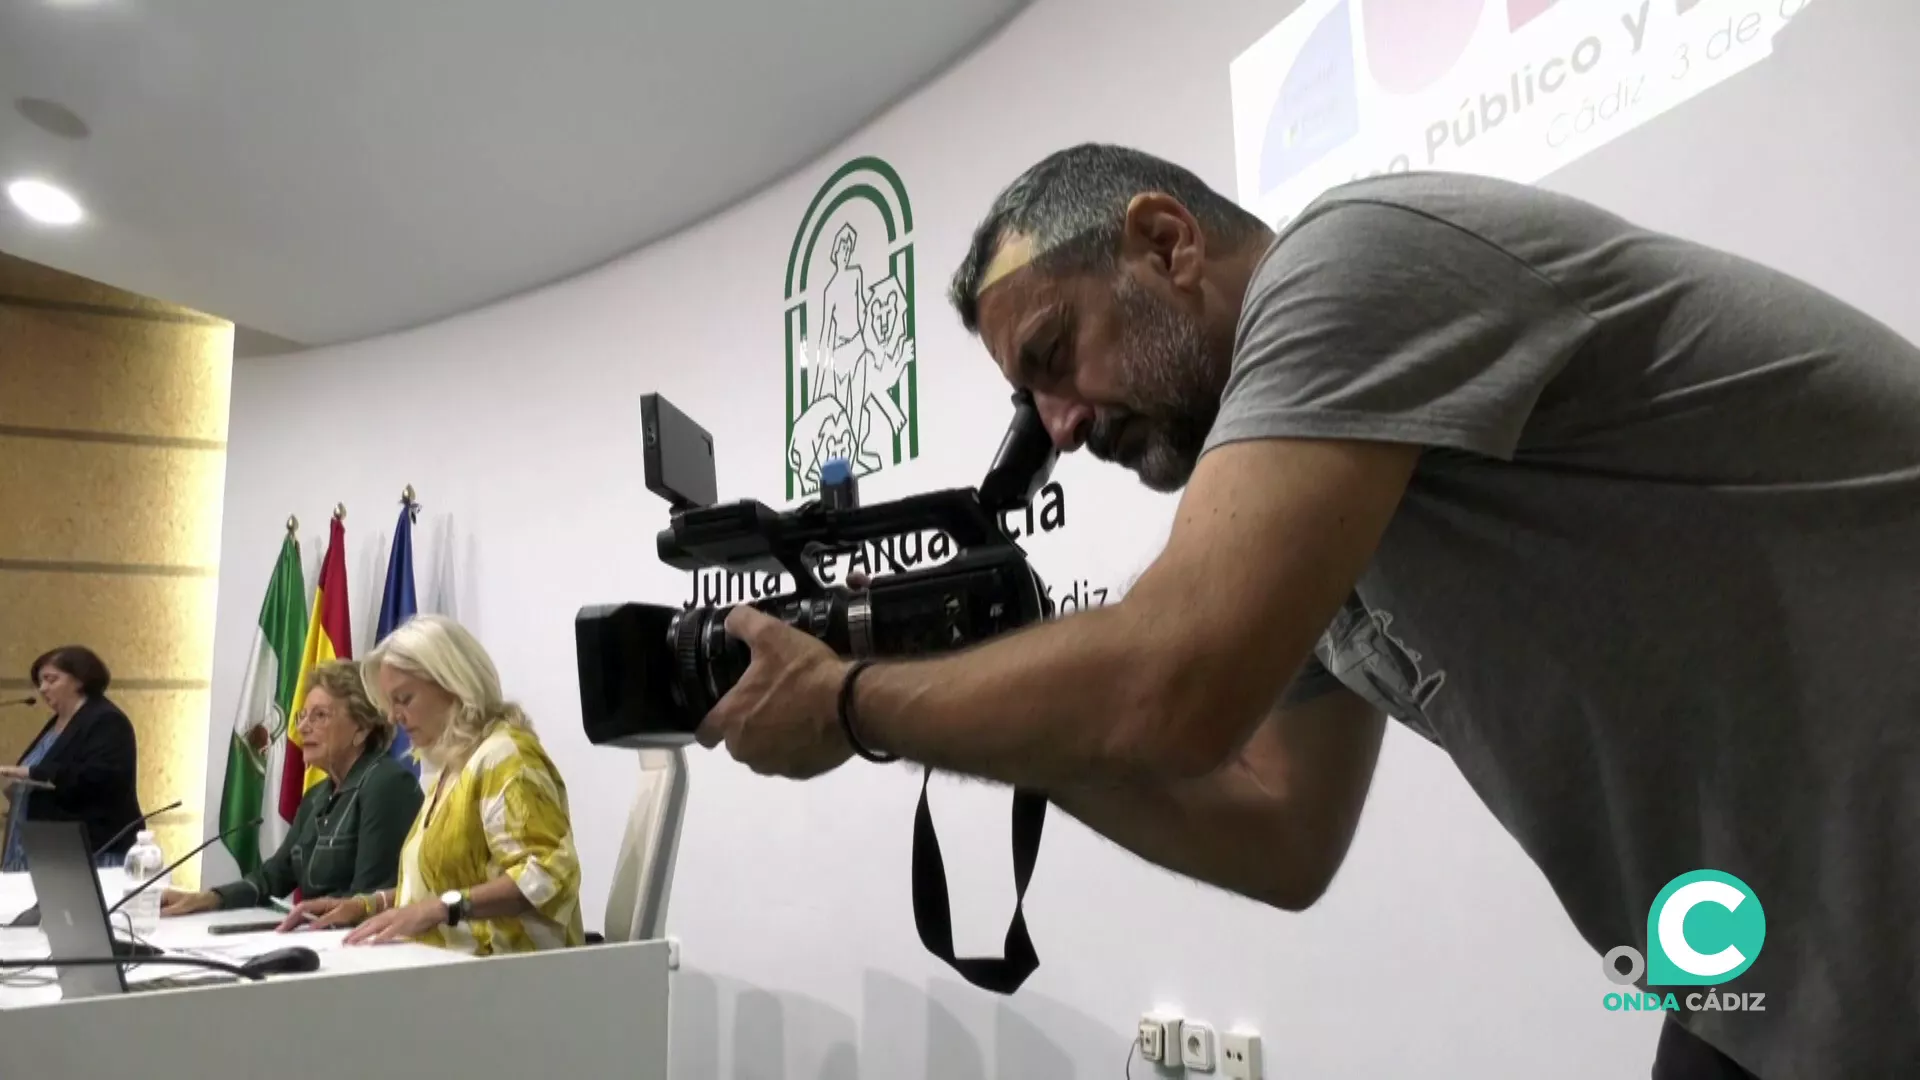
[[345, 838]]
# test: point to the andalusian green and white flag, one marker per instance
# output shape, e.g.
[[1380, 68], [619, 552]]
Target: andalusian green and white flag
[[273, 672]]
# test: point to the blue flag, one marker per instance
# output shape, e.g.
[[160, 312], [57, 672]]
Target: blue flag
[[397, 605]]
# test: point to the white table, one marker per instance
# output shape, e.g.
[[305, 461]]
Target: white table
[[401, 1009], [188, 934]]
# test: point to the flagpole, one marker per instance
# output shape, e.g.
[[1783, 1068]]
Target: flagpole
[[257, 750], [397, 601]]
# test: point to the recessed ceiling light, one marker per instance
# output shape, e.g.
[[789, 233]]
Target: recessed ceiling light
[[44, 203]]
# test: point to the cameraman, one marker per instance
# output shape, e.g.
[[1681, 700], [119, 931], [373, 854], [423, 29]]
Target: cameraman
[[1627, 526]]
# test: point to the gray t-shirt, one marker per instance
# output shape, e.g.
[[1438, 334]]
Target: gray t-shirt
[[1655, 586]]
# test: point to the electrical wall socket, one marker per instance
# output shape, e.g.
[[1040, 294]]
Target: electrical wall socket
[[1196, 1046], [1160, 1037], [1153, 1046], [1240, 1055]]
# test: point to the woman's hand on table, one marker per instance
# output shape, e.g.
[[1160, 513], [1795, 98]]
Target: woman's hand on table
[[325, 913], [175, 902], [400, 924]]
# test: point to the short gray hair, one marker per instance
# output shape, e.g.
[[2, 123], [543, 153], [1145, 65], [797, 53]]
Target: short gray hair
[[1073, 205], [343, 682]]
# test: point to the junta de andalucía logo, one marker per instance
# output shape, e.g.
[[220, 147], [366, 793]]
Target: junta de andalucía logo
[[852, 380]]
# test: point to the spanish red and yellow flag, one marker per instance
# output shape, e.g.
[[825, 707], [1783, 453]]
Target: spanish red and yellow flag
[[329, 637]]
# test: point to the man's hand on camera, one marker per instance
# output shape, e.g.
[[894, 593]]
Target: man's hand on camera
[[783, 717]]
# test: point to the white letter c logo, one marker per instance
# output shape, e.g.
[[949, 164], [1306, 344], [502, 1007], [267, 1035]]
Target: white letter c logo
[[1673, 936]]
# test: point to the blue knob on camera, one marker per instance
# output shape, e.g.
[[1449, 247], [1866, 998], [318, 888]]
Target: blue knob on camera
[[838, 488]]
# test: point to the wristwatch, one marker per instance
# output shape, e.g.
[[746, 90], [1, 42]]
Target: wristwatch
[[457, 906]]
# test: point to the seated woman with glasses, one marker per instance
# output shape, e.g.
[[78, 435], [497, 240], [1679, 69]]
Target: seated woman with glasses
[[489, 866], [346, 836]]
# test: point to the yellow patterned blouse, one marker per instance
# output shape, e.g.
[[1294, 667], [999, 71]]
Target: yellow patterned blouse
[[505, 813]]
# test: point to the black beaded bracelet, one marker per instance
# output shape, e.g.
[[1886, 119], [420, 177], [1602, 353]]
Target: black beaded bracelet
[[846, 714]]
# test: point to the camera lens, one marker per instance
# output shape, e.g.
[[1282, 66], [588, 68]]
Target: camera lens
[[707, 661]]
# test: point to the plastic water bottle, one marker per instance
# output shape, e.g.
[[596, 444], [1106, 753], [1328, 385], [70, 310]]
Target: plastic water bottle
[[144, 859]]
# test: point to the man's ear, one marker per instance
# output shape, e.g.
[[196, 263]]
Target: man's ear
[[1160, 232]]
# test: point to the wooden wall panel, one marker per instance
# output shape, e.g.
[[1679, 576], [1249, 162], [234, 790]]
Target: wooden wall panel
[[113, 428]]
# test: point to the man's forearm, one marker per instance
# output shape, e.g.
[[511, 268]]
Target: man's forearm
[[1169, 681], [1063, 703], [1204, 829], [1273, 824]]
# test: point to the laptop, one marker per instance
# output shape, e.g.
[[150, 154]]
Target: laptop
[[73, 916]]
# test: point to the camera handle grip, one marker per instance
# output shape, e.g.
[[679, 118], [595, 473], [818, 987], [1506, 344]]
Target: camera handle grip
[[933, 910]]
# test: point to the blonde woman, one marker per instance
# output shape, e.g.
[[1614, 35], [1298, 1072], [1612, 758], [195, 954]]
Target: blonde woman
[[489, 865]]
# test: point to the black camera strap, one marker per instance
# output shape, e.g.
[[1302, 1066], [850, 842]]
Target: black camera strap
[[933, 910]]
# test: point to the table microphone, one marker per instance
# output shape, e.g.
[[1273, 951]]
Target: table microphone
[[12, 701], [175, 864], [31, 916]]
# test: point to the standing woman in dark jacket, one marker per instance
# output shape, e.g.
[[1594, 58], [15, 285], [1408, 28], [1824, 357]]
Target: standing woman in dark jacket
[[86, 752]]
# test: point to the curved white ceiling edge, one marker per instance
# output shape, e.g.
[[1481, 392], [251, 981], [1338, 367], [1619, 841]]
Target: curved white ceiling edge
[[322, 174]]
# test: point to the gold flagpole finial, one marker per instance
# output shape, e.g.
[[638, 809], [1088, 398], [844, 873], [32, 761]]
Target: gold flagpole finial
[[339, 511], [293, 525], [406, 495]]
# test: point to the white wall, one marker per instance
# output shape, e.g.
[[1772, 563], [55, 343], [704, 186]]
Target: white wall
[[1439, 951]]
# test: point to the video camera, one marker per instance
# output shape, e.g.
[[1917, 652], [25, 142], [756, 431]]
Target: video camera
[[649, 673]]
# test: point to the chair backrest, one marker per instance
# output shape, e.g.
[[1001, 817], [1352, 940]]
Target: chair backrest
[[643, 874]]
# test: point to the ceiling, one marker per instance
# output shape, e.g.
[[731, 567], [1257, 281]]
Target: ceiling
[[323, 172]]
